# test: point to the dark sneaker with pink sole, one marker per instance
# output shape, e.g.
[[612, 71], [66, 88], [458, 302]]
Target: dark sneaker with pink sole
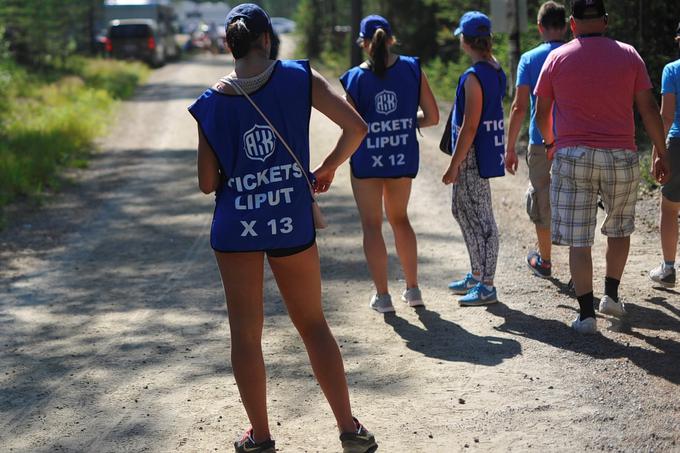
[[360, 441], [248, 445]]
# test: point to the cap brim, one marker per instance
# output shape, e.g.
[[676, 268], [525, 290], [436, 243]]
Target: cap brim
[[457, 31]]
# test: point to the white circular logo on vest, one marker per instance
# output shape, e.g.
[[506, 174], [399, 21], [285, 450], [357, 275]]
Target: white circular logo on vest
[[386, 102], [259, 143]]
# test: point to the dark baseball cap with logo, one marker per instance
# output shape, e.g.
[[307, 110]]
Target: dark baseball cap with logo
[[255, 18], [588, 9]]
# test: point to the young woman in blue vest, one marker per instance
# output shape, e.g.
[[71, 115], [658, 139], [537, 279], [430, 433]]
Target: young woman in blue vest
[[387, 91], [478, 138], [264, 209]]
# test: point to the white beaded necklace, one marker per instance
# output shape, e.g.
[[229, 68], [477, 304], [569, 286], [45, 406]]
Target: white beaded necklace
[[251, 84]]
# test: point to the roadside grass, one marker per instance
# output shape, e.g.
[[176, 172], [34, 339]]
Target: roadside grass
[[647, 181], [118, 78], [50, 121]]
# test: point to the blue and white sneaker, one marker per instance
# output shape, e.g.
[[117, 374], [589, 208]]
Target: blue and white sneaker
[[479, 296], [461, 287]]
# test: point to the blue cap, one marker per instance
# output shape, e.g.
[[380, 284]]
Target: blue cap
[[255, 18], [474, 24], [370, 24]]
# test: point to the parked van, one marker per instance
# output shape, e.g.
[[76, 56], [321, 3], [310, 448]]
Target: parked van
[[143, 30], [141, 39]]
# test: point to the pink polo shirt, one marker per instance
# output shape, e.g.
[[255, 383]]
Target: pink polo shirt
[[593, 82]]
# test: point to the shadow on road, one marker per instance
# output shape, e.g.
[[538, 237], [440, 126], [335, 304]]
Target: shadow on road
[[557, 334], [163, 92], [445, 340]]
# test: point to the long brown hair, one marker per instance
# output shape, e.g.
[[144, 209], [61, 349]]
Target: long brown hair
[[481, 44], [378, 52]]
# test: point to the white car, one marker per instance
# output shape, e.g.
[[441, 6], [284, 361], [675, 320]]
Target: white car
[[282, 25]]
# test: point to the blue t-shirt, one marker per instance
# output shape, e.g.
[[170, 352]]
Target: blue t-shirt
[[528, 70], [670, 84]]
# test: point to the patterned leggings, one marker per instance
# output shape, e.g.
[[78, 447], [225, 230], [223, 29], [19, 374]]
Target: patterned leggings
[[471, 207]]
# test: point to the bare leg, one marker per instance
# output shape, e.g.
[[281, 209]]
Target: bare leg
[[544, 242], [617, 255], [396, 193], [242, 277], [581, 267], [669, 228], [299, 280], [368, 195]]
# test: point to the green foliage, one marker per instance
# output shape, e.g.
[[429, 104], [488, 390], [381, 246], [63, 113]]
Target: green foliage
[[648, 181], [47, 131], [49, 125], [43, 33], [309, 28], [117, 78], [319, 26], [443, 77], [424, 26], [281, 8]]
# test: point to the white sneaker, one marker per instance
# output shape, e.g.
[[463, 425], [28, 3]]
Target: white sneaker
[[382, 303], [664, 276], [413, 297], [609, 306], [587, 326]]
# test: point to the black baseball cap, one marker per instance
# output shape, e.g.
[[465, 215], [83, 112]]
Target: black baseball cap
[[588, 9], [255, 18]]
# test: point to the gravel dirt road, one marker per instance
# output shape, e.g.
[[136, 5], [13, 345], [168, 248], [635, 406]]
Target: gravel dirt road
[[114, 337]]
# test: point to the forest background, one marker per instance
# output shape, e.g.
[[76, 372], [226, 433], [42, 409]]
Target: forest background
[[423, 28], [44, 33], [55, 97]]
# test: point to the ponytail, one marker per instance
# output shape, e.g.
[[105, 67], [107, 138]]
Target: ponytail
[[240, 39], [378, 52], [481, 44]]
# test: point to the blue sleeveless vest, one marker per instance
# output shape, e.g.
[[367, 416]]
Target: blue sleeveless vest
[[390, 107], [264, 203], [489, 141]]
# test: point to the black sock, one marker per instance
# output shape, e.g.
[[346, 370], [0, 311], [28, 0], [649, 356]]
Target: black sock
[[586, 303], [611, 288]]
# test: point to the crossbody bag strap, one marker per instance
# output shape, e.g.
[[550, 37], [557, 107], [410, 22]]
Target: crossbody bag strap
[[242, 92]]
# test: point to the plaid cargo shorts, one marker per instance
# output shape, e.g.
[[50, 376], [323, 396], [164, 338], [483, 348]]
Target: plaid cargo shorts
[[579, 175]]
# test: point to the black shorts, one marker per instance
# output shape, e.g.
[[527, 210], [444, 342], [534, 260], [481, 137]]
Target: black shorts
[[282, 253], [277, 253], [671, 190]]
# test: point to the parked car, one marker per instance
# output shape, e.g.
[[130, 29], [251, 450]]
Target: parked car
[[141, 39], [283, 25]]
